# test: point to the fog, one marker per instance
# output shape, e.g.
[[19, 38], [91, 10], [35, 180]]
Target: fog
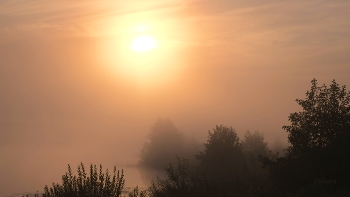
[[237, 64]]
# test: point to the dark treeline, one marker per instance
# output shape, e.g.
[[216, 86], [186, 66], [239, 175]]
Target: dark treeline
[[315, 163]]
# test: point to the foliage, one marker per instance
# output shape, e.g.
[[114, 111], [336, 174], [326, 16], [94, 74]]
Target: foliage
[[137, 193], [222, 169], [182, 181], [176, 184], [223, 160], [324, 121], [218, 168], [97, 184], [319, 140], [253, 147], [165, 142], [222, 153], [190, 149], [254, 143]]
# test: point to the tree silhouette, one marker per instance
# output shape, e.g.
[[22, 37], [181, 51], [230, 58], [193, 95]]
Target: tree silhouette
[[253, 147], [165, 143], [223, 149], [319, 139], [223, 160], [222, 168]]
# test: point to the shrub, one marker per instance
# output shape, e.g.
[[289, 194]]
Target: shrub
[[137, 193], [182, 181], [96, 185]]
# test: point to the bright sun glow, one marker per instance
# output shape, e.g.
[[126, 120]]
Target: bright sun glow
[[143, 43], [141, 52]]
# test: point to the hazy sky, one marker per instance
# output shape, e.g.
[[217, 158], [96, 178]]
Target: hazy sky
[[72, 89]]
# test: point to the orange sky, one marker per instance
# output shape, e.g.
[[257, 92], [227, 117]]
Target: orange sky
[[72, 89]]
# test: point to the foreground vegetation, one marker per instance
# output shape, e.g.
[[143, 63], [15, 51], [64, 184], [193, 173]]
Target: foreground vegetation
[[316, 162]]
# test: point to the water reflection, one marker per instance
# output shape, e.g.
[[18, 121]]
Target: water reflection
[[149, 174], [139, 176]]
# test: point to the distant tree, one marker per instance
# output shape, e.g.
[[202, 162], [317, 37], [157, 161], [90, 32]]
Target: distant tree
[[165, 142], [191, 148], [223, 150], [254, 146], [221, 169], [319, 139], [222, 159]]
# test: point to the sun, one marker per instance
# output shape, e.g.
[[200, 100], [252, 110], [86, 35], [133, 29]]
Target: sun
[[143, 43], [140, 53]]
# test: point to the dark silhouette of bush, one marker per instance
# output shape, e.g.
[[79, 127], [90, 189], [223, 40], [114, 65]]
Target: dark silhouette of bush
[[165, 143], [137, 193], [183, 180], [97, 184], [319, 139], [178, 182]]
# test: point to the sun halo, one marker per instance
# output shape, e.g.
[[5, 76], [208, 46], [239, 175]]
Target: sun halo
[[143, 43]]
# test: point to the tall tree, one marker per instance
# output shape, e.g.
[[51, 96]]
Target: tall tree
[[319, 139], [223, 160], [223, 149]]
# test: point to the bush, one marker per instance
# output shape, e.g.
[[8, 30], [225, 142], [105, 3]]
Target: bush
[[96, 185], [182, 181], [137, 193]]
